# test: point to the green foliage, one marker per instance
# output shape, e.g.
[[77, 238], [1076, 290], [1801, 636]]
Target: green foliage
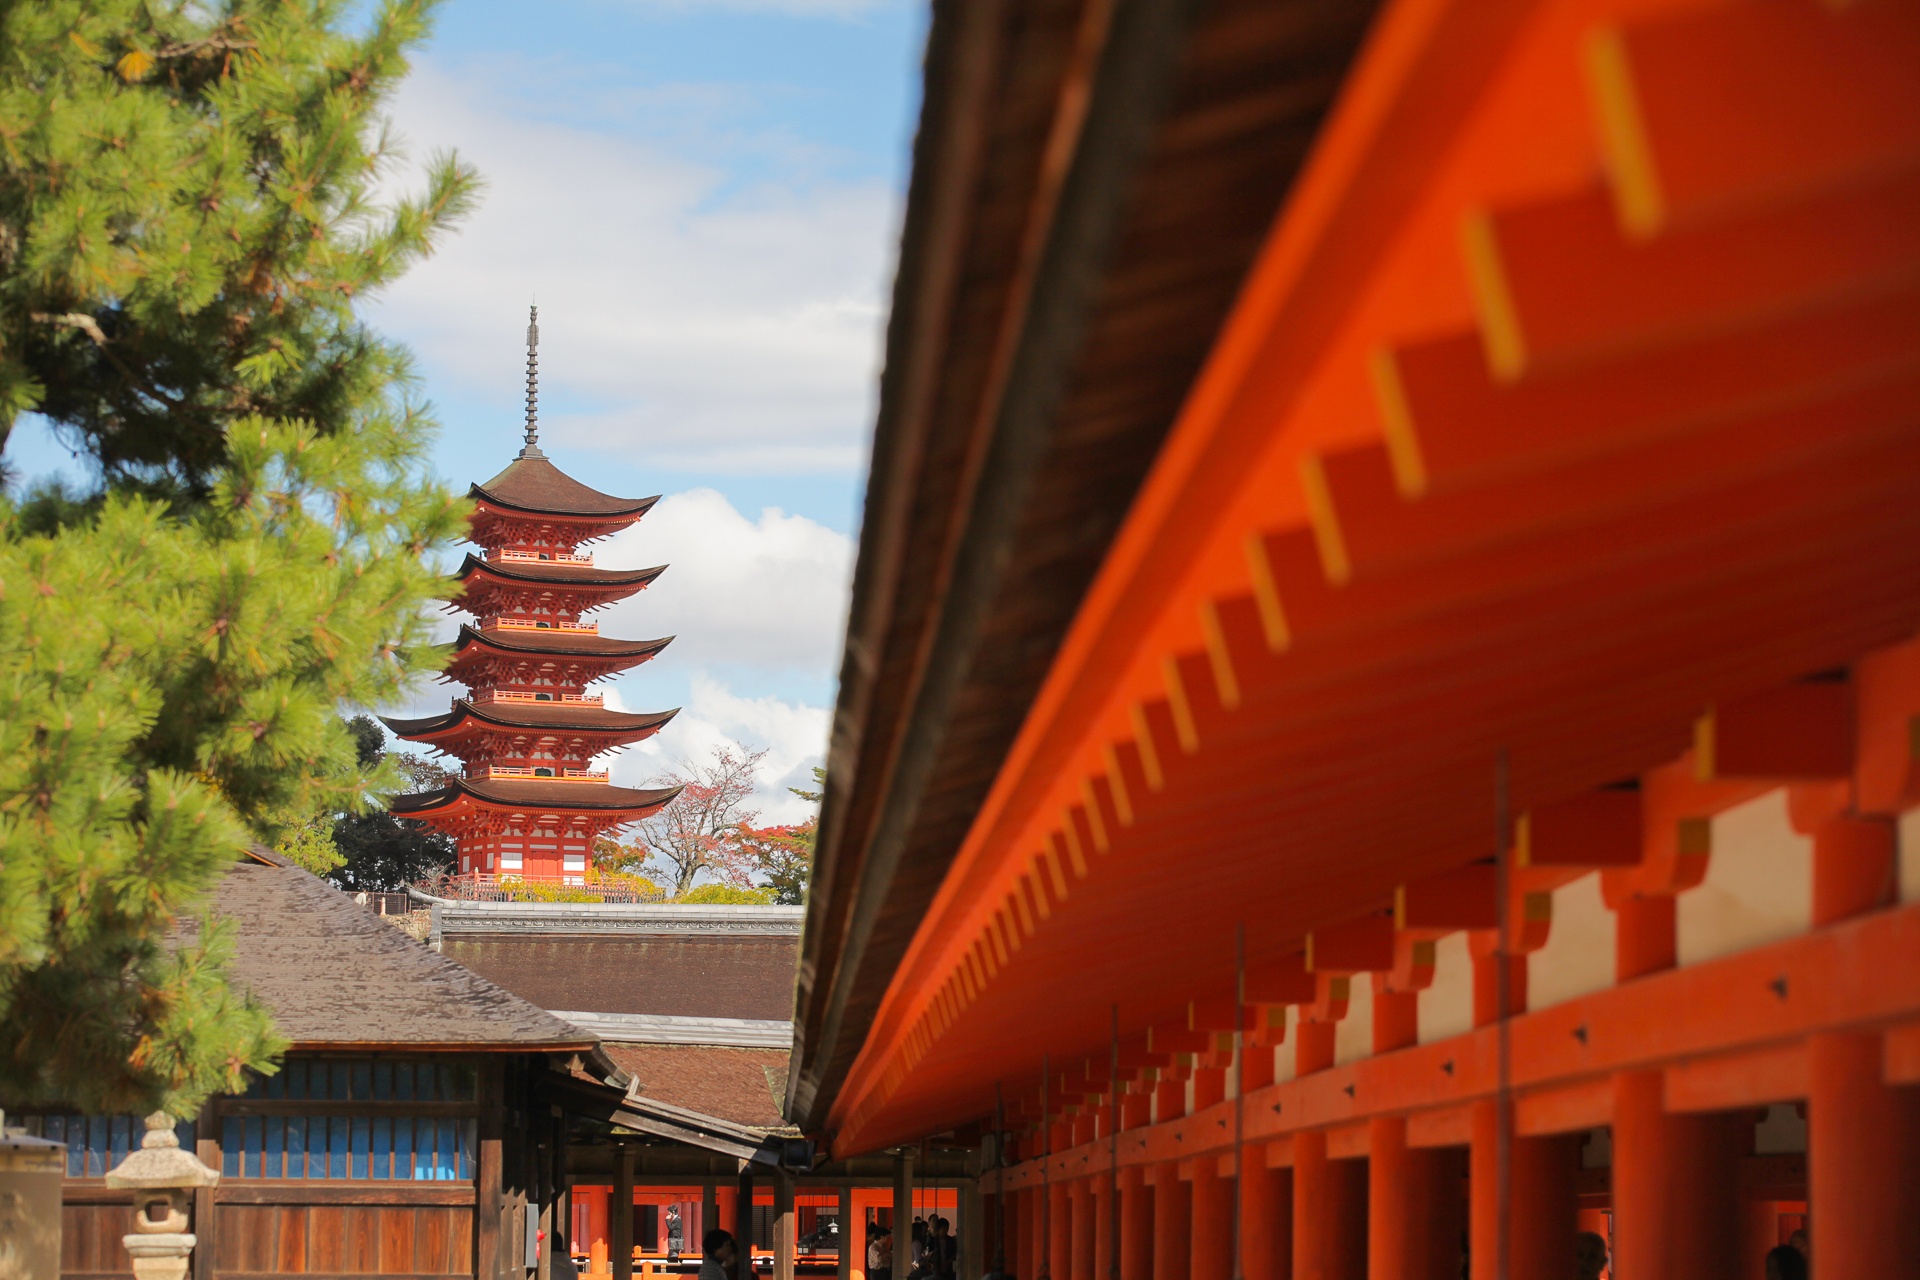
[[186, 221], [376, 850], [310, 844], [711, 895], [184, 228]]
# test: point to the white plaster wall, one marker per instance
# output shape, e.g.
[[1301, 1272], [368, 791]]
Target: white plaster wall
[[1759, 885], [1579, 954], [1353, 1034], [1446, 1006], [1909, 830]]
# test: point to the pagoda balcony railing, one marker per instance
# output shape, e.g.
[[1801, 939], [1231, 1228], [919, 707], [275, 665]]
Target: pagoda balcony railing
[[549, 557], [528, 624], [502, 695], [545, 773]]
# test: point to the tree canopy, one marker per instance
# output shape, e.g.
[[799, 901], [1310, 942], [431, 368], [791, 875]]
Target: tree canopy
[[187, 220]]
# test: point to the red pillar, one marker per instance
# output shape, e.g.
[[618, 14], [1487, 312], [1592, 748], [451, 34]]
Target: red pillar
[[1103, 1211], [1136, 1224], [1172, 1224], [1026, 1232], [1543, 1210], [1863, 1162], [1266, 1219], [1863, 1136], [1212, 1232], [1413, 1222], [1676, 1202], [1059, 1232], [1329, 1212], [1081, 1253]]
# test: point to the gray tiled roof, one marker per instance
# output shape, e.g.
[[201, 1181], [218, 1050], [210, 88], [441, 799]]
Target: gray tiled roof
[[334, 974]]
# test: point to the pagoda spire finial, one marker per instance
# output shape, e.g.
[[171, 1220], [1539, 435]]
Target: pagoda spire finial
[[532, 448]]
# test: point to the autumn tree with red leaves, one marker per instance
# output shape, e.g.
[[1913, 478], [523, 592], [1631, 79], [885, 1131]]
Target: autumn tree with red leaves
[[700, 829]]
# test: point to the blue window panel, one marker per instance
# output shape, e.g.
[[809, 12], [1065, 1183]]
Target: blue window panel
[[273, 1151], [383, 1081], [337, 1140], [342, 1072], [469, 1135], [296, 1146], [230, 1145], [362, 1081], [122, 1138], [295, 1074], [361, 1146], [382, 1147], [99, 1146], [424, 1084], [445, 1163], [187, 1135], [403, 1147], [251, 1164], [275, 1085]]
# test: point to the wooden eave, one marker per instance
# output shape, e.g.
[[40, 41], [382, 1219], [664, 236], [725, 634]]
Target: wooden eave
[[548, 573], [1448, 526], [1062, 275]]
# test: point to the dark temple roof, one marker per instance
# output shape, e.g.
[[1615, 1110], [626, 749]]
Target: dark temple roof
[[536, 485], [548, 571], [686, 975], [335, 975], [535, 793], [532, 715], [559, 644], [1062, 277], [743, 1086]]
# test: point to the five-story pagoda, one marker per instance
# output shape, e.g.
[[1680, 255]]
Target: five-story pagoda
[[529, 802]]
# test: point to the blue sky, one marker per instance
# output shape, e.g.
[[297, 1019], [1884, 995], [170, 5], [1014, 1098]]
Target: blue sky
[[704, 196]]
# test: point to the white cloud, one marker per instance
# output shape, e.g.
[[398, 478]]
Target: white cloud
[[793, 735], [688, 313], [768, 593]]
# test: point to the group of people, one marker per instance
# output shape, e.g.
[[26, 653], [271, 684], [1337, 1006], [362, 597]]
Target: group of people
[[934, 1251]]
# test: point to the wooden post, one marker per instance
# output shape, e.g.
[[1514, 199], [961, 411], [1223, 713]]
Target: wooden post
[[743, 1224], [1542, 1212], [852, 1236], [620, 1213], [1266, 1219], [1172, 1225], [902, 1212], [1863, 1161], [206, 1143], [709, 1216], [785, 1238], [970, 1244], [487, 1244], [1083, 1246], [1212, 1231], [1136, 1224], [1060, 1231], [1026, 1236], [1676, 1205], [1103, 1211]]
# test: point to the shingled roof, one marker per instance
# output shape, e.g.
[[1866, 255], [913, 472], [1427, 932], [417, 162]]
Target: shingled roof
[[336, 976], [535, 484]]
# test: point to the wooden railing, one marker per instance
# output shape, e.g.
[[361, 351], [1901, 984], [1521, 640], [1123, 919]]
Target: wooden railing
[[546, 774], [503, 695], [526, 624], [550, 557]]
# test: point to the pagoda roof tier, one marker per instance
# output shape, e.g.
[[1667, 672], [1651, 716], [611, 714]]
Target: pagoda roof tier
[[556, 573], [479, 799], [534, 486], [556, 644], [581, 716]]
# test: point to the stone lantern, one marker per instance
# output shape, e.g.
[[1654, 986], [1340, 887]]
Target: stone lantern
[[161, 1175]]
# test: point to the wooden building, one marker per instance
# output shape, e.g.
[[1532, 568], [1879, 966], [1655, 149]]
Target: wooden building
[[1379, 728], [408, 1132]]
